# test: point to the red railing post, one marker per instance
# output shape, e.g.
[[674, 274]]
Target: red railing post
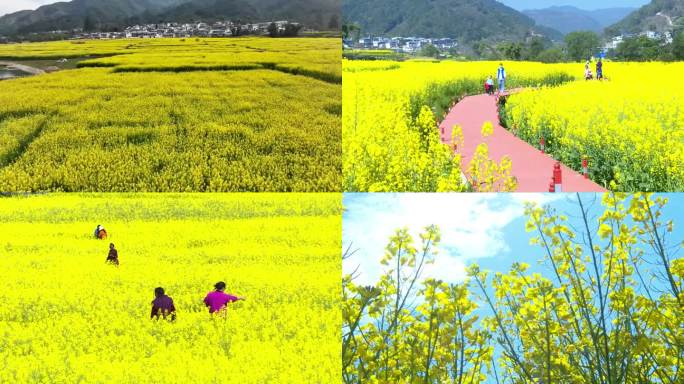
[[558, 177]]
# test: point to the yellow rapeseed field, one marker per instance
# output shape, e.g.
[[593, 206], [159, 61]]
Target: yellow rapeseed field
[[630, 127], [67, 317], [175, 115], [387, 145]]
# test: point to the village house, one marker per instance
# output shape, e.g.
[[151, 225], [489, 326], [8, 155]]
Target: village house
[[186, 30], [401, 44], [666, 37]]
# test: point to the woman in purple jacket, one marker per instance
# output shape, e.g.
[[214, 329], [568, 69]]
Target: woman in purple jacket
[[217, 300], [162, 305]]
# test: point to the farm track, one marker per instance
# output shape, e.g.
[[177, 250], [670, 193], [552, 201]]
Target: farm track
[[532, 168]]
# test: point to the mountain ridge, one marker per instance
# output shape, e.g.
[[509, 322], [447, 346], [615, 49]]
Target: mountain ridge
[[657, 16], [568, 19], [465, 20], [116, 14], [319, 13], [68, 15]]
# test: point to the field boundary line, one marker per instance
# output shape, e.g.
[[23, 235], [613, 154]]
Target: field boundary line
[[295, 70]]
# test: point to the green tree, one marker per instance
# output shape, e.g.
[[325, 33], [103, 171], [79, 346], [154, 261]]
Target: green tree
[[534, 47], [639, 48], [511, 51], [678, 46], [454, 51], [581, 44], [551, 55], [480, 48], [273, 30], [351, 31], [236, 29], [291, 30], [429, 50]]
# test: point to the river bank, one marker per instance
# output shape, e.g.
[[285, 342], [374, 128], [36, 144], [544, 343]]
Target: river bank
[[12, 70]]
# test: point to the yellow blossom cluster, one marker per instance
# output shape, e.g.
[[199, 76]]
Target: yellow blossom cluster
[[629, 127]]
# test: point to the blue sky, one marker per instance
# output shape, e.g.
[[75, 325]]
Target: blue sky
[[480, 228], [584, 4], [487, 229]]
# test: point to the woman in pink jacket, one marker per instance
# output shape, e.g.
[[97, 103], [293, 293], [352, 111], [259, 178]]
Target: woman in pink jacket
[[217, 300]]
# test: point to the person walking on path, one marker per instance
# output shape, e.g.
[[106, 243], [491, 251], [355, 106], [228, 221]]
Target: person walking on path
[[501, 77], [162, 305], [490, 86], [599, 70], [587, 71], [217, 300], [113, 256]]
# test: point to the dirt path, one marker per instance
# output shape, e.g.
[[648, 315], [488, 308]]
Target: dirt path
[[22, 67], [532, 168]]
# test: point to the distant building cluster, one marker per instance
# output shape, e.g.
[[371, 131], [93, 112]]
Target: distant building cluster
[[617, 40], [401, 44], [199, 29], [217, 29]]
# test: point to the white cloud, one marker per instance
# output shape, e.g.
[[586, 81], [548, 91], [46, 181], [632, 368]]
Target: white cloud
[[472, 227], [9, 6], [452, 269]]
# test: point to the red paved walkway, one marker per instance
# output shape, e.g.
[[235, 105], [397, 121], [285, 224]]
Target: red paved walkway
[[532, 168]]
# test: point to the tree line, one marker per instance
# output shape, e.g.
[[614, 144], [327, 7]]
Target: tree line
[[576, 46], [580, 45]]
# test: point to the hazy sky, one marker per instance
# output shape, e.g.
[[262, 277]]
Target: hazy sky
[[585, 4], [9, 6]]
